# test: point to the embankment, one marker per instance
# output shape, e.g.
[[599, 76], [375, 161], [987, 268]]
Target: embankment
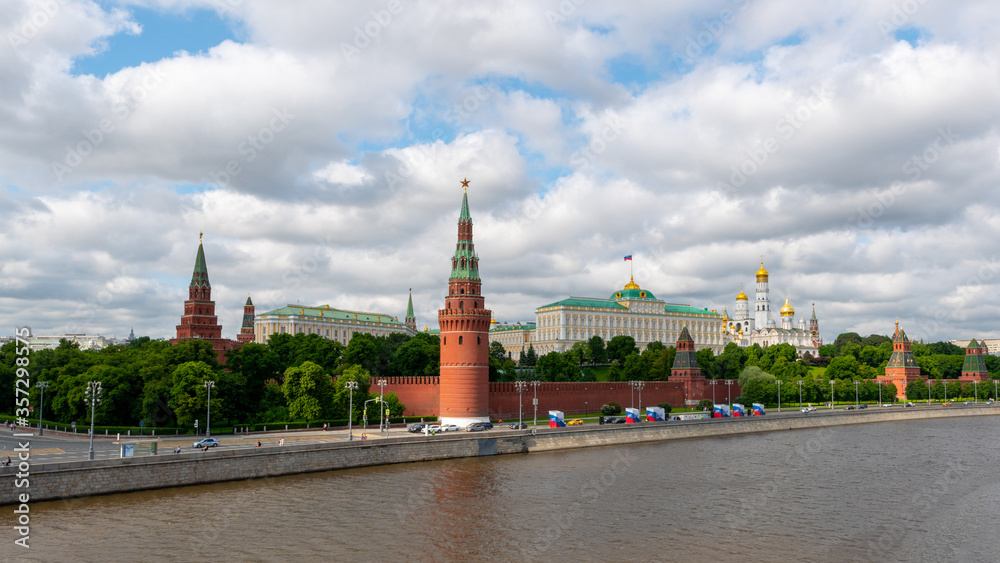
[[66, 480]]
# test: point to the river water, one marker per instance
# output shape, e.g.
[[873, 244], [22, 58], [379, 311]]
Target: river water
[[924, 490]]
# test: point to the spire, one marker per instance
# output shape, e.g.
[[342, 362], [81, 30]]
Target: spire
[[200, 276], [465, 262], [464, 215], [685, 335], [409, 306], [814, 313], [249, 303]]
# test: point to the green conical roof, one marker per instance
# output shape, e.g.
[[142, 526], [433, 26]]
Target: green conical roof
[[685, 335], [814, 313], [200, 276], [248, 303], [409, 307], [465, 216]]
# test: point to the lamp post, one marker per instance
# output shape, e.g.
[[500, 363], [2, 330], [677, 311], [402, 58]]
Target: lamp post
[[928, 390], [712, 383], [351, 386], [974, 399], [92, 398], [381, 404], [800, 393], [945, 383], [534, 401], [857, 403], [729, 393], [831, 394], [779, 395], [208, 418], [637, 386], [995, 399], [364, 413], [41, 403], [520, 386], [879, 381]]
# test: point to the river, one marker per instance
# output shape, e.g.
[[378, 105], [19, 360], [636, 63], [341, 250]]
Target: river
[[923, 490]]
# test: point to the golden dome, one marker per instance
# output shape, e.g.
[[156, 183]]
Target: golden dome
[[494, 321], [631, 284], [742, 296], [762, 273], [787, 310]]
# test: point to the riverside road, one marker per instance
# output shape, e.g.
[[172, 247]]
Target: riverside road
[[62, 448]]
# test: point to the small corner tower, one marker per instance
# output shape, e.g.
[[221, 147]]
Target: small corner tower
[[974, 368], [686, 370], [246, 331], [902, 368], [411, 320], [465, 326]]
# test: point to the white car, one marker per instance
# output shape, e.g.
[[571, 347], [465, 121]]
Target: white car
[[887, 405], [434, 428], [450, 428], [807, 409]]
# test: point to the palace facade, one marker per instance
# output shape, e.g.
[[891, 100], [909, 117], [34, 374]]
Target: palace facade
[[631, 311], [329, 322]]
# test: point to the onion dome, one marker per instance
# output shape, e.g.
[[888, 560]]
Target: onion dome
[[787, 310], [631, 284], [762, 273], [743, 296]]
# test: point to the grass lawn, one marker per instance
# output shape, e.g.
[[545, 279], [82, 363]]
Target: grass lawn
[[600, 373]]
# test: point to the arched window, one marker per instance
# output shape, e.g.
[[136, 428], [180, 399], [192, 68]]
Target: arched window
[[445, 339], [459, 340], [461, 306], [462, 291]]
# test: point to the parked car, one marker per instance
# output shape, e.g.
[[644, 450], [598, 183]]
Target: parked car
[[908, 405], [450, 428], [862, 406], [807, 409], [886, 404], [946, 404], [475, 427], [434, 428], [517, 425], [574, 422], [849, 408], [416, 427], [205, 443], [619, 421], [487, 425], [611, 420]]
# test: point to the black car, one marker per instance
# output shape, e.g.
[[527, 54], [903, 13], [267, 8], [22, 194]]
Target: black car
[[610, 420], [517, 425], [619, 421], [487, 425], [862, 406], [417, 427], [849, 408]]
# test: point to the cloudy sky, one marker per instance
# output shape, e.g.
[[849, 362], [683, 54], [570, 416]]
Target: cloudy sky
[[319, 145]]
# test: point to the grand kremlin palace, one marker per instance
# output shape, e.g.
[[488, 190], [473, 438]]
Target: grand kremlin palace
[[632, 311], [330, 323]]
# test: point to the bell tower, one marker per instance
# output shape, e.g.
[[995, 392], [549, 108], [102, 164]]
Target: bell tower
[[465, 325]]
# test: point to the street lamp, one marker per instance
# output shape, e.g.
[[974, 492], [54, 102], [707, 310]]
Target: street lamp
[[520, 386], [364, 412], [41, 403], [638, 386], [800, 393], [712, 383], [995, 399], [92, 398], [729, 393], [351, 386], [879, 381], [831, 393], [381, 403], [208, 418], [928, 390], [779, 395], [535, 401], [857, 403], [974, 399], [945, 391]]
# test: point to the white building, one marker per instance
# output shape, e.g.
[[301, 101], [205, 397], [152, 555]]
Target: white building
[[632, 311], [747, 329], [51, 342], [333, 324]]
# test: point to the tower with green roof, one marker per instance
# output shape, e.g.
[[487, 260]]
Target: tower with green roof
[[974, 368], [411, 319], [465, 325], [686, 370], [902, 368], [199, 319], [249, 315]]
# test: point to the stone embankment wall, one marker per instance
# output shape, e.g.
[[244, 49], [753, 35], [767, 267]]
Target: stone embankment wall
[[65, 480]]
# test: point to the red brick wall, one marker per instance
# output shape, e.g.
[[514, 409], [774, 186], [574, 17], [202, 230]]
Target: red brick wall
[[420, 395]]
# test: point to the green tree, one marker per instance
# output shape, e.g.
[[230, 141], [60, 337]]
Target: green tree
[[843, 367], [875, 340], [308, 391], [751, 373], [188, 393], [530, 357], [620, 347], [729, 364], [497, 350], [598, 353], [845, 338], [706, 361], [827, 350], [632, 368], [420, 355]]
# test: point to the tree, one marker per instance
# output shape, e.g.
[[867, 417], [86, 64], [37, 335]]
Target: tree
[[620, 347], [598, 353], [363, 350], [529, 358], [827, 350], [188, 393], [875, 340], [308, 391], [420, 355], [758, 389], [706, 361], [342, 395], [555, 367], [705, 404], [497, 350], [632, 369], [753, 372], [842, 367], [666, 408], [729, 364], [611, 409], [847, 337]]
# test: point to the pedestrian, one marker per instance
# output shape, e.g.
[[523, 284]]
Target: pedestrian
[[258, 443], [281, 441], [7, 463]]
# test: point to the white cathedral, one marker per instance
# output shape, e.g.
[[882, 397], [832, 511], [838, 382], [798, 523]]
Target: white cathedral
[[747, 329]]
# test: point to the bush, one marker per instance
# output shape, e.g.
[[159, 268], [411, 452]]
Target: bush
[[705, 404], [611, 409], [666, 407]]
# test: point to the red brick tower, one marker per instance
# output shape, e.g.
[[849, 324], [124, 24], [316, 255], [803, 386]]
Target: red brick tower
[[199, 320], [902, 368], [465, 325], [246, 332], [974, 368], [686, 370]]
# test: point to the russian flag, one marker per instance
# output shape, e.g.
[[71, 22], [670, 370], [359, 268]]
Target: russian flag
[[629, 257]]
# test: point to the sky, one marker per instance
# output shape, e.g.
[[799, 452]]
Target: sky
[[320, 147]]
